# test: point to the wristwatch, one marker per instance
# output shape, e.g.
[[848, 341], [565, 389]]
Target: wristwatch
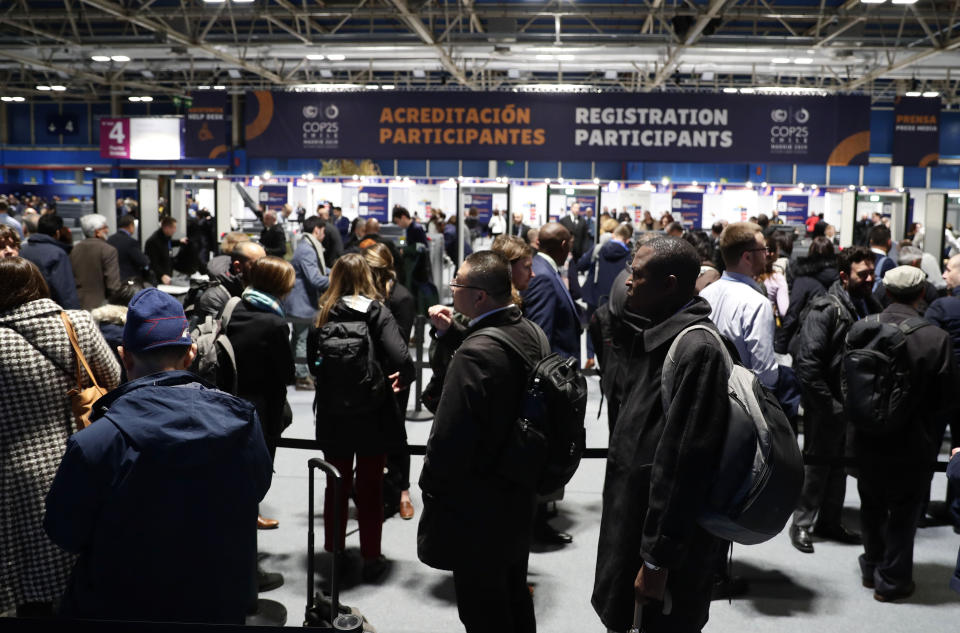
[[650, 566]]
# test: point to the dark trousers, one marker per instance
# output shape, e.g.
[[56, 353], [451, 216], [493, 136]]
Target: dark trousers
[[690, 585], [821, 499], [369, 503], [890, 506], [493, 596]]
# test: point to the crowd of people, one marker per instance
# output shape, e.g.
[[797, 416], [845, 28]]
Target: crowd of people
[[182, 461]]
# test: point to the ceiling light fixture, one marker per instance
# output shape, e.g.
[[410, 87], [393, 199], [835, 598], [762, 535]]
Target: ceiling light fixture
[[780, 60], [747, 91], [903, 1], [43, 88], [146, 99], [336, 57], [913, 93], [803, 60], [233, 73], [315, 57], [419, 73], [872, 1], [219, 87], [120, 58], [58, 88], [731, 91], [100, 58], [203, 87], [387, 87], [931, 93], [134, 99]]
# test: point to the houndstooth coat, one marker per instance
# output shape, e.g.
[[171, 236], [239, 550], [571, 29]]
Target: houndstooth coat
[[35, 420]]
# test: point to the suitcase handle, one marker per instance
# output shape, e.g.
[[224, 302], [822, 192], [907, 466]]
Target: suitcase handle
[[333, 475]]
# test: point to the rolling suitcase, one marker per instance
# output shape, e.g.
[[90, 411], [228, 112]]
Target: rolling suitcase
[[322, 612]]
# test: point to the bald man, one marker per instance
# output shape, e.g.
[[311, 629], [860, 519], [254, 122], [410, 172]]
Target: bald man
[[372, 235]]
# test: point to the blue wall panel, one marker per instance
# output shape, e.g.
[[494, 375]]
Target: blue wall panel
[[475, 168], [947, 177], [606, 170], [576, 170], [780, 174], [79, 110], [873, 175], [881, 132], [386, 167], [18, 118], [541, 169], [914, 177], [411, 168], [514, 170], [812, 174], [950, 134], [843, 175], [444, 169]]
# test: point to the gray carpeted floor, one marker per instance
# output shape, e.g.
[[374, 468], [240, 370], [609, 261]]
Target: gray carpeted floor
[[789, 591]]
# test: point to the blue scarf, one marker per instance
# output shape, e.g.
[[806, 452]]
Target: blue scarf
[[262, 301]]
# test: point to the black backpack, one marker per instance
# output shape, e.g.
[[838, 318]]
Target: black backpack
[[546, 442], [876, 374], [349, 381], [757, 483]]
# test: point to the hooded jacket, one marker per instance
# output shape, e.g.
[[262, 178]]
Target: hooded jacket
[[661, 460], [601, 271], [159, 498], [808, 277]]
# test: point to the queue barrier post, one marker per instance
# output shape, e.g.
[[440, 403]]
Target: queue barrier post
[[417, 413]]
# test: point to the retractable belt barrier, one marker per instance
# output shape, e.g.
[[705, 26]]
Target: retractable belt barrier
[[601, 453]]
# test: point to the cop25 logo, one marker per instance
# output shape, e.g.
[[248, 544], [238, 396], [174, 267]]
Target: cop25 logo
[[802, 116], [779, 115], [310, 111]]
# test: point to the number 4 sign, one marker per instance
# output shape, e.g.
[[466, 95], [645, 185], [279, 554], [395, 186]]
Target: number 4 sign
[[114, 138]]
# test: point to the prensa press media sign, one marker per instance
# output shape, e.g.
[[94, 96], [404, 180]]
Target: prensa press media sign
[[574, 127]]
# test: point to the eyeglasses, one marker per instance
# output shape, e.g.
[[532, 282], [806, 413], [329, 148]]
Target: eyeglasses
[[454, 284]]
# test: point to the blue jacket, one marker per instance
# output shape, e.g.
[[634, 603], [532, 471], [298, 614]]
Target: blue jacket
[[343, 226], [945, 314], [450, 243], [309, 285], [547, 302], [159, 498], [612, 258], [54, 262]]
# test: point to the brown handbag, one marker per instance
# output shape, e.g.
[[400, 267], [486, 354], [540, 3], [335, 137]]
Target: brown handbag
[[81, 400]]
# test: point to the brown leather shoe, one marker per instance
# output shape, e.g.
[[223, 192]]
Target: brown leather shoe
[[267, 524], [406, 510], [589, 364]]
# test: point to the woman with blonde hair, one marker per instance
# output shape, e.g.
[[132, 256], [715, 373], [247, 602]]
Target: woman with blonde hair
[[258, 331], [520, 256], [403, 307], [356, 351]]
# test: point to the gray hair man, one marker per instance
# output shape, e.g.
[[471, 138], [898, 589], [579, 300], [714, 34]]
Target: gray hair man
[[96, 267]]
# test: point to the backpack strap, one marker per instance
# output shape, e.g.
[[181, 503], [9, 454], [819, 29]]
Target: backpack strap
[[228, 309], [224, 341], [508, 341], [666, 386], [912, 324]]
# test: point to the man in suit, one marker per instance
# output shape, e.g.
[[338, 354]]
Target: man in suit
[[158, 249], [45, 249], [518, 228], [132, 261], [332, 242], [579, 230], [342, 224], [548, 303], [273, 238], [94, 262], [486, 544]]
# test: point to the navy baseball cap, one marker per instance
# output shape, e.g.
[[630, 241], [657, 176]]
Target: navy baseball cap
[[154, 319]]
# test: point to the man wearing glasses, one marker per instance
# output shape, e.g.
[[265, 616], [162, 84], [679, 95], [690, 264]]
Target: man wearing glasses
[[474, 521], [741, 309]]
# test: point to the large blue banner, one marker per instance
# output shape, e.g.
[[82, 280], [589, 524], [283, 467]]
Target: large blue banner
[[205, 129], [916, 131], [682, 127]]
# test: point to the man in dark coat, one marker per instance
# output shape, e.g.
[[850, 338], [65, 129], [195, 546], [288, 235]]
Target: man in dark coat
[[342, 224], [273, 238], [579, 228], [820, 348], [808, 277], [332, 241], [546, 301], [661, 461], [945, 314], [158, 250], [894, 476], [45, 249], [132, 261], [476, 522], [161, 507]]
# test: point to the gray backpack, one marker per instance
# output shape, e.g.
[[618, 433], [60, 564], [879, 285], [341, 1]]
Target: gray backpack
[[215, 361], [757, 483]]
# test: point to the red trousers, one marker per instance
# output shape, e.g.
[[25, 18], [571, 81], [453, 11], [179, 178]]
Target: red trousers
[[369, 503]]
